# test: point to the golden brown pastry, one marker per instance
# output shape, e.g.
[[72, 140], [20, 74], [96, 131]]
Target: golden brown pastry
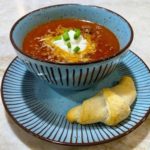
[[110, 106]]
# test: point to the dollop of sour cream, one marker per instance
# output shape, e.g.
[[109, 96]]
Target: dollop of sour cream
[[81, 42]]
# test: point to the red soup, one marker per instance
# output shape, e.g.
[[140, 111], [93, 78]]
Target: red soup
[[70, 41]]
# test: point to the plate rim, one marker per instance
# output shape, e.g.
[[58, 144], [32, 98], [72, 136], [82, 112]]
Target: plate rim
[[67, 143]]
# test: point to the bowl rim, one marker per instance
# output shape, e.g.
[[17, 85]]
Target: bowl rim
[[122, 50]]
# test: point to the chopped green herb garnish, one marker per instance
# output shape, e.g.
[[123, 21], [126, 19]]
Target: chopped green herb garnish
[[77, 33], [57, 38], [76, 49], [69, 45], [66, 30], [66, 36]]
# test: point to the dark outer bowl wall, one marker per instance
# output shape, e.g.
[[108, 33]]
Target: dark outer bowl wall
[[121, 50], [76, 77]]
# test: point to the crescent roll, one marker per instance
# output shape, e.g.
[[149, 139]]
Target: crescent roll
[[109, 106]]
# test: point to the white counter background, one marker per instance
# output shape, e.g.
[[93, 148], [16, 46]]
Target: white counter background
[[137, 12]]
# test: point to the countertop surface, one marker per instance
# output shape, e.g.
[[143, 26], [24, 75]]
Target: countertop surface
[[135, 11]]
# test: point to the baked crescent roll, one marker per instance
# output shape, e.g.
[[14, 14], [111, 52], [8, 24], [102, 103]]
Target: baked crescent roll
[[110, 105]]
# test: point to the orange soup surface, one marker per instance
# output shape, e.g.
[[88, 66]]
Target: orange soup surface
[[70, 41]]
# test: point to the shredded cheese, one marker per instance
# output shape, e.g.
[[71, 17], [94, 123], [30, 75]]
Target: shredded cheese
[[61, 50]]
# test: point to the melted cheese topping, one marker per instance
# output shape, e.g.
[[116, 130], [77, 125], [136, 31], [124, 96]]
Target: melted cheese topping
[[59, 50]]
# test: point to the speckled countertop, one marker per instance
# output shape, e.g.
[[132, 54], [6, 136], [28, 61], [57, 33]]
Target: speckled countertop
[[135, 11]]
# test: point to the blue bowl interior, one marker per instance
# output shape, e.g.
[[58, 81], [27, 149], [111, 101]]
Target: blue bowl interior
[[99, 15]]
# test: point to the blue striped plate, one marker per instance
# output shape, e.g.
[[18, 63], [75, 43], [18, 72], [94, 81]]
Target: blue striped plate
[[40, 110]]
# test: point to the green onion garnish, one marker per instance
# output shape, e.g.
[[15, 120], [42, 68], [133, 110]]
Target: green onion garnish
[[66, 30], [66, 36], [76, 49], [69, 45], [57, 38], [77, 33]]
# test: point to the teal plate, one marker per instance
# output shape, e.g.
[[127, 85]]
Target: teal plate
[[41, 110]]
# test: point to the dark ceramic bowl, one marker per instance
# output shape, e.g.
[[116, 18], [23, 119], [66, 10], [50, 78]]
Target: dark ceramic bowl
[[72, 76]]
